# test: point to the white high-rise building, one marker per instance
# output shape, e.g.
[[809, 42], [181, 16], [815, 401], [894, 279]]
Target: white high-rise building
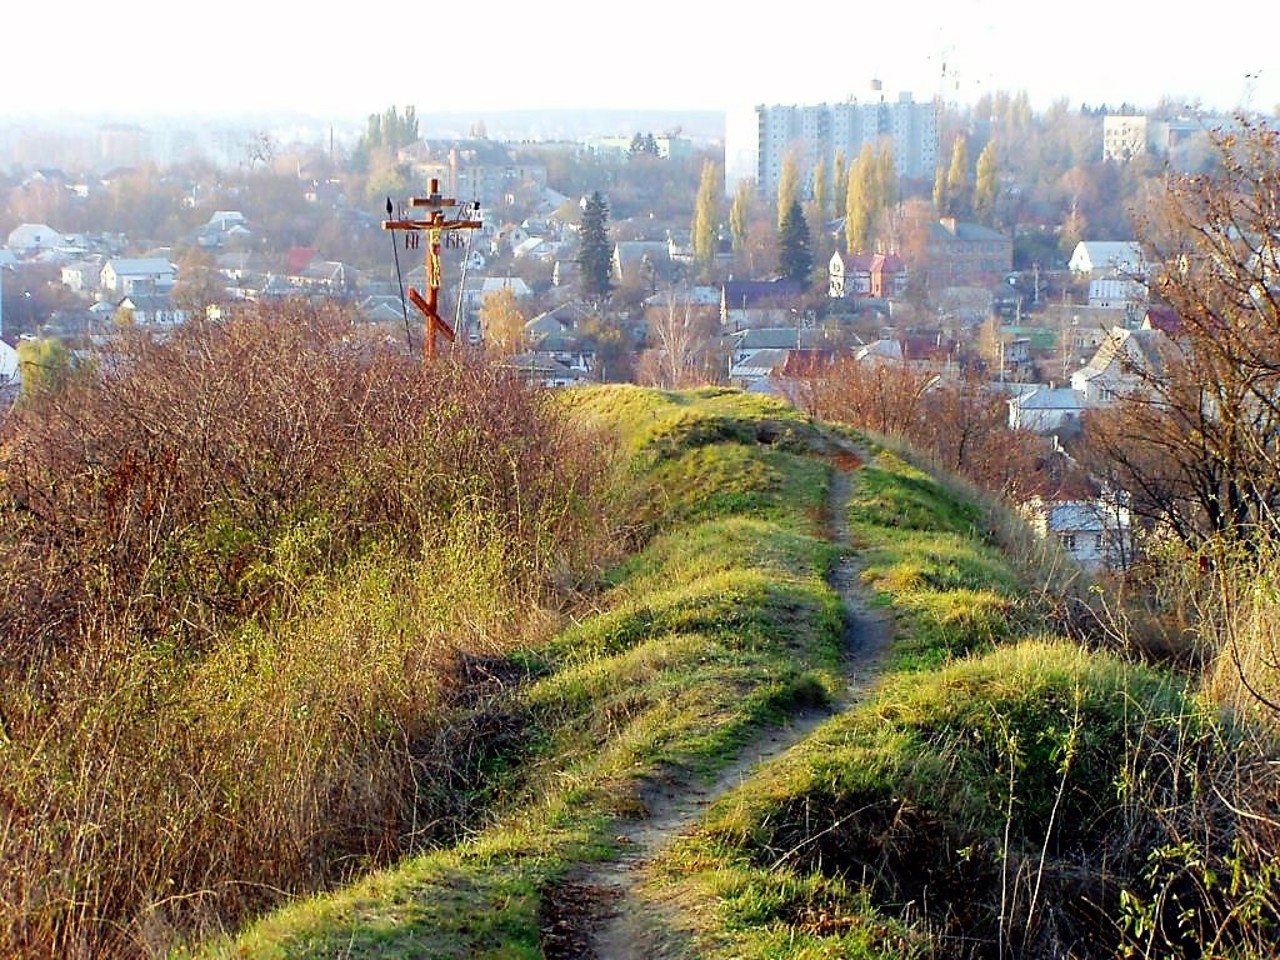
[[812, 133]]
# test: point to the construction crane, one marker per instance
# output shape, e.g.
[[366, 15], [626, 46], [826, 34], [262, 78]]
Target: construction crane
[[443, 215]]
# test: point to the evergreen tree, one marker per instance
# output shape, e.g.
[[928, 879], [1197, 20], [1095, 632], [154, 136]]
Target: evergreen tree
[[595, 256], [795, 252]]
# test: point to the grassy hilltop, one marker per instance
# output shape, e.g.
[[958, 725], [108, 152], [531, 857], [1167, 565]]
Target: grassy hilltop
[[467, 673]]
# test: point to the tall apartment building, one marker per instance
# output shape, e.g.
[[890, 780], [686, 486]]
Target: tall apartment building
[[818, 132], [1125, 137]]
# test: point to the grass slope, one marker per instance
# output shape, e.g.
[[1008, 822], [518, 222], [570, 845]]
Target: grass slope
[[988, 801]]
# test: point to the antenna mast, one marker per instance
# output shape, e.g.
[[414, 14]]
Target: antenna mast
[[435, 224]]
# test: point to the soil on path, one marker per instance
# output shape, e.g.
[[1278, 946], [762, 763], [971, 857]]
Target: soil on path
[[599, 915]]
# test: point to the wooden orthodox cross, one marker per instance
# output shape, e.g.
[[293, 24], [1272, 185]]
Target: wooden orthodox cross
[[435, 224]]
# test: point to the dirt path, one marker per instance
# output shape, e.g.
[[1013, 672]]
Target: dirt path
[[599, 916]]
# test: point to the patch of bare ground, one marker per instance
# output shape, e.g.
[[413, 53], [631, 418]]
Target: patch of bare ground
[[604, 912]]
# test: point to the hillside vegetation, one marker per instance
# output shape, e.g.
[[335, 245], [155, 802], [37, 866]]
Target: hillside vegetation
[[1005, 792], [248, 576], [494, 639]]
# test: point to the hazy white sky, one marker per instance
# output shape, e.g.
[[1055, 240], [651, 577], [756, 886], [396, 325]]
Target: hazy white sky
[[343, 60]]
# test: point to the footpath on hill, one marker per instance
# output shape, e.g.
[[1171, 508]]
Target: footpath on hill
[[598, 913]]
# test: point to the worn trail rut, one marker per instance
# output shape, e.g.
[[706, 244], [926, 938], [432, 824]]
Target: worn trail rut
[[599, 914]]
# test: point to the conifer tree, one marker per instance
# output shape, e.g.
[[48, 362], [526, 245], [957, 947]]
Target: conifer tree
[[595, 256], [795, 253]]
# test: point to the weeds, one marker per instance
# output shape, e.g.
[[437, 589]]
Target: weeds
[[242, 566]]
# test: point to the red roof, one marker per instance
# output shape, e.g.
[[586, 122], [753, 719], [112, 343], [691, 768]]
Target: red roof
[[1164, 319], [297, 258]]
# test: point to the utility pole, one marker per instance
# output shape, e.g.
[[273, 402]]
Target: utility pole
[[435, 224]]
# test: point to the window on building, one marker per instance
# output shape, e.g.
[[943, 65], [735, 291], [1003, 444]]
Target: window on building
[[1068, 541]]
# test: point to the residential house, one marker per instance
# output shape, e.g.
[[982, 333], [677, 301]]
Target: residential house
[[542, 369], [1047, 409], [32, 239], [82, 276], [760, 303], [1107, 259], [507, 238], [749, 340], [553, 334], [224, 226], [696, 296], [10, 375], [877, 275], [384, 309], [476, 289], [1096, 532], [325, 276], [1117, 367], [1118, 293], [127, 276], [151, 309], [536, 248], [966, 255], [758, 365], [884, 350]]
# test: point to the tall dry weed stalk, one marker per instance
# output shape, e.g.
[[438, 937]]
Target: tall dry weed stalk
[[241, 567]]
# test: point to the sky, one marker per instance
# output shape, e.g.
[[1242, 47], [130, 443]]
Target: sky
[[134, 58]]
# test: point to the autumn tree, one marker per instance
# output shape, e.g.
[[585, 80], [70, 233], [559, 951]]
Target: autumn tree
[[1196, 440], [957, 196], [861, 201], [840, 178], [987, 185], [960, 424], [502, 322], [788, 185], [706, 216], [821, 192], [199, 283], [44, 366], [740, 215], [886, 177], [595, 254], [681, 340], [940, 190]]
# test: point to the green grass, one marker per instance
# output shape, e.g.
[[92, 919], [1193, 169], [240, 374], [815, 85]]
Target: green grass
[[952, 592], [995, 794], [903, 816], [723, 623]]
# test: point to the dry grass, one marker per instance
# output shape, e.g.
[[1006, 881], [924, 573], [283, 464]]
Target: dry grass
[[245, 573]]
